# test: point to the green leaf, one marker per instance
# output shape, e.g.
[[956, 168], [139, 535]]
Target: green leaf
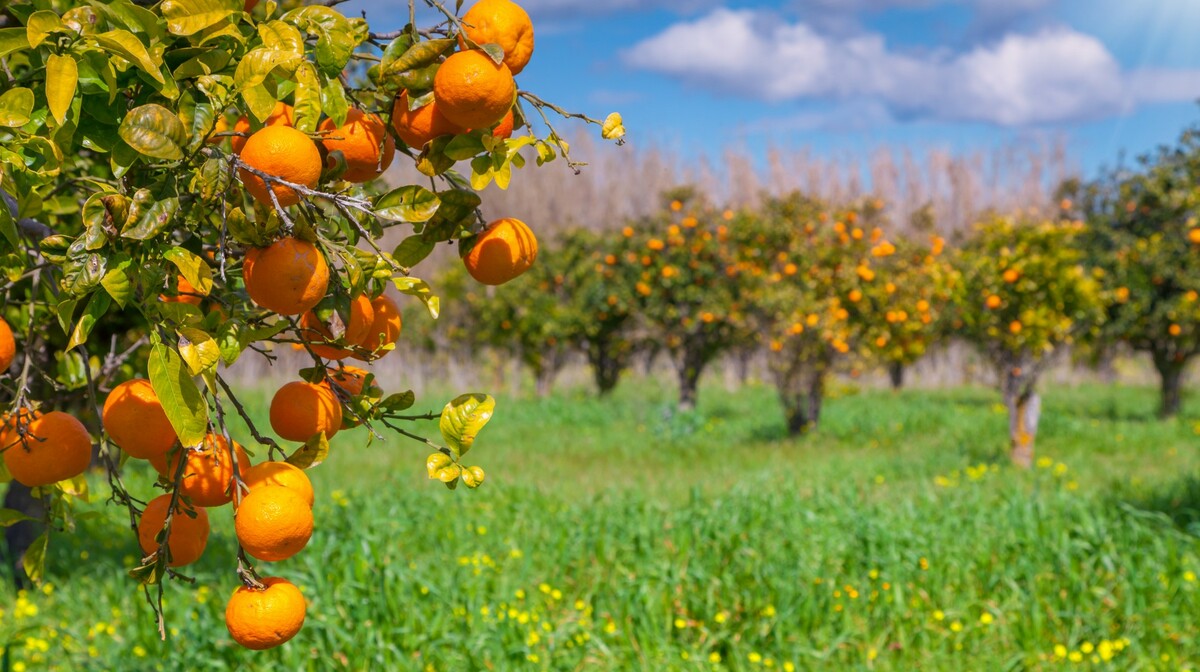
[[437, 462], [97, 306], [194, 269], [116, 283], [312, 453], [400, 401], [307, 108], [126, 45], [229, 340], [463, 418], [410, 203], [412, 251], [62, 78], [35, 557], [281, 36], [39, 26], [8, 227], [16, 106], [148, 222], [12, 40], [613, 128], [421, 290], [463, 147], [419, 55], [494, 51], [10, 517], [333, 100], [180, 397], [154, 131], [198, 349], [187, 17], [473, 477]]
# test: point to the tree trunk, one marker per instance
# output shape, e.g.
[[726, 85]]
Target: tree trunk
[[1170, 374], [689, 387], [896, 375], [544, 381], [607, 365], [802, 392], [1024, 411]]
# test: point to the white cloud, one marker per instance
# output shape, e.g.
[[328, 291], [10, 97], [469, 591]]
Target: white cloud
[[1048, 76]]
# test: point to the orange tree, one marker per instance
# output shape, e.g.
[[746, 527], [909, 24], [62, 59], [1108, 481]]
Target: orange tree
[[816, 293], [1023, 296], [1144, 237], [188, 182], [904, 312], [685, 297]]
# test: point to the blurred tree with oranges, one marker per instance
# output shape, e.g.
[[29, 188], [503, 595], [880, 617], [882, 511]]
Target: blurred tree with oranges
[[816, 269], [603, 299], [904, 314], [1023, 296], [1144, 238], [688, 290]]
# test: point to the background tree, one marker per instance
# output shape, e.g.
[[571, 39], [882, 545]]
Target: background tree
[[1144, 237], [1024, 295], [687, 301], [601, 288]]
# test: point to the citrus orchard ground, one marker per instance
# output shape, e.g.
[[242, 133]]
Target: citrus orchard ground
[[894, 538]]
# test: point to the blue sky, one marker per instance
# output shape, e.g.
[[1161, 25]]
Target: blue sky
[[693, 76]]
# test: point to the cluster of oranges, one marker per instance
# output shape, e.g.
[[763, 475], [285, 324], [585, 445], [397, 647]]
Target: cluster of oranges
[[470, 91]]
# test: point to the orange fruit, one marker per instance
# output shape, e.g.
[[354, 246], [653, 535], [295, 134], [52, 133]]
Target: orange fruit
[[188, 535], [135, 420], [263, 619], [8, 346], [504, 129], [505, 250], [1015, 326], [283, 152], [282, 115], [1194, 236], [288, 277], [207, 473], [364, 143], [993, 302], [282, 474], [313, 330], [472, 90], [273, 522], [56, 447], [300, 410], [185, 293], [504, 23], [385, 328], [1012, 275], [418, 127], [349, 379]]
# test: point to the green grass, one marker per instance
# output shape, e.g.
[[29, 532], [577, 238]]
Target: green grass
[[615, 535]]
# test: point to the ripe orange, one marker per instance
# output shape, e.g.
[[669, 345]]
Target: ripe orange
[[349, 378], [288, 277], [472, 90], [1194, 236], [8, 346], [185, 293], [385, 328], [283, 152], [282, 115], [279, 473], [135, 420], [504, 23], [993, 302], [299, 410], [1012, 275], [208, 472], [273, 523], [418, 127], [360, 140], [263, 619], [56, 446], [313, 330], [504, 129], [505, 250], [1015, 326], [188, 536]]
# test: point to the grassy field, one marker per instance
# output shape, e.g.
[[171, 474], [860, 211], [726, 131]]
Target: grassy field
[[614, 535]]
